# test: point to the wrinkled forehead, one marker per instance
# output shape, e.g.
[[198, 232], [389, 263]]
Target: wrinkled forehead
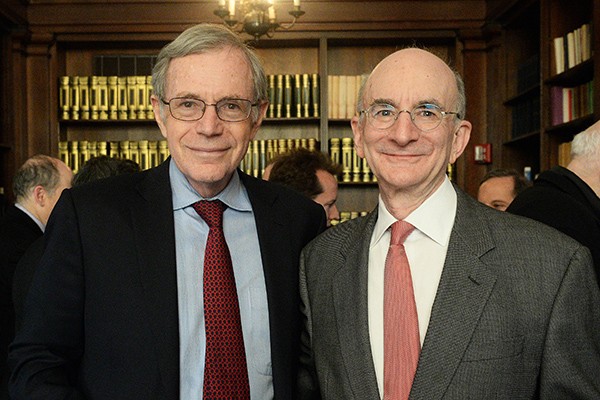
[[411, 76]]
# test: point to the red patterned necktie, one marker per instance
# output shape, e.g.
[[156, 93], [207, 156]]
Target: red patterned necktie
[[401, 326], [225, 371]]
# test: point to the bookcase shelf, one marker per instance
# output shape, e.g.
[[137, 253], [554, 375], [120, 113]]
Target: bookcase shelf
[[321, 56], [568, 101]]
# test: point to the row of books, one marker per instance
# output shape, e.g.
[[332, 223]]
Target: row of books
[[569, 103], [572, 48], [343, 95], [105, 97], [262, 151], [293, 96], [354, 168], [147, 153]]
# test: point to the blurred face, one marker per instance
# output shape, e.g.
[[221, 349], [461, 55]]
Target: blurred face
[[405, 159], [329, 196], [209, 150], [497, 192]]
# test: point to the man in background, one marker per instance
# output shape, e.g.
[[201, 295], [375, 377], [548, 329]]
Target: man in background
[[37, 185], [568, 199], [500, 186], [434, 295], [92, 170], [311, 173], [181, 281]]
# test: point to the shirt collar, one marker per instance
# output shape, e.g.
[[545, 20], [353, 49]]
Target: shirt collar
[[434, 218], [184, 195], [37, 221]]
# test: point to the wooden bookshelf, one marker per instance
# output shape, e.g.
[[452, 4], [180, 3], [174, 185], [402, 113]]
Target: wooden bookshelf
[[528, 30], [333, 38]]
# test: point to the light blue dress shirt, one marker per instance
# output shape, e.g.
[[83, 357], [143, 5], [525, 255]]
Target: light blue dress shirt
[[240, 232]]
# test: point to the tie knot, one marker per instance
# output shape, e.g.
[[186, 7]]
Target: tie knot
[[211, 212], [400, 231]]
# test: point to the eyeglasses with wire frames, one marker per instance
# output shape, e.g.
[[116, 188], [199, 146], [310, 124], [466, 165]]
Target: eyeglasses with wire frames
[[191, 109], [426, 117]]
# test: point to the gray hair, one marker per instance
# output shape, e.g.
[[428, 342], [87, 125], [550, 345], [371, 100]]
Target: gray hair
[[39, 170], [203, 38], [586, 144]]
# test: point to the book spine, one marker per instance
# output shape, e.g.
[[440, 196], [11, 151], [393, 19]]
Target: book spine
[[143, 154], [102, 98], [315, 95], [84, 97], [334, 150], [263, 156], [298, 102], [134, 151], [152, 154], [278, 96], [122, 97], [255, 158], [124, 149], [305, 96], [347, 159], [74, 156], [64, 97], [149, 93], [102, 150], [356, 166], [287, 96], [63, 152], [74, 97], [94, 97], [272, 99], [132, 97], [84, 153], [163, 151], [92, 149], [142, 96], [113, 97]]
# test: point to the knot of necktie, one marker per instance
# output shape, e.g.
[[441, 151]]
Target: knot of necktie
[[211, 211], [400, 231]]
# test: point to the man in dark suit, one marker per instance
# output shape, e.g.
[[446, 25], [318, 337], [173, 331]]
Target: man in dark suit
[[37, 185], [117, 306], [568, 199], [488, 305], [95, 168]]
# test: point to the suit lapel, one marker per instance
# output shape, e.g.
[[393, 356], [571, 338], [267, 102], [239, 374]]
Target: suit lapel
[[155, 247], [351, 310], [464, 289]]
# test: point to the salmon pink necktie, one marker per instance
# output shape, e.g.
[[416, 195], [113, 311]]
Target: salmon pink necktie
[[401, 326], [225, 371]]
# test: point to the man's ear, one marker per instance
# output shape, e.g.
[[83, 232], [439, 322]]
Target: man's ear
[[158, 116], [358, 130], [39, 195], [460, 140]]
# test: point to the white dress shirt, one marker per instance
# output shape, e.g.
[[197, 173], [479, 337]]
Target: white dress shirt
[[426, 249]]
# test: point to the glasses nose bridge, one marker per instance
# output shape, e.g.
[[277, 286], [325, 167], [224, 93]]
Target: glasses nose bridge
[[409, 112], [206, 105]]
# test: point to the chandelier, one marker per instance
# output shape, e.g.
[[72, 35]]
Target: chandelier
[[254, 17]]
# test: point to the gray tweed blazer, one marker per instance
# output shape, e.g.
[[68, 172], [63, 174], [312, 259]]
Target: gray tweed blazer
[[516, 314]]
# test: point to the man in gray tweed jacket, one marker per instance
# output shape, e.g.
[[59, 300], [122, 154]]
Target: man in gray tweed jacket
[[507, 308]]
